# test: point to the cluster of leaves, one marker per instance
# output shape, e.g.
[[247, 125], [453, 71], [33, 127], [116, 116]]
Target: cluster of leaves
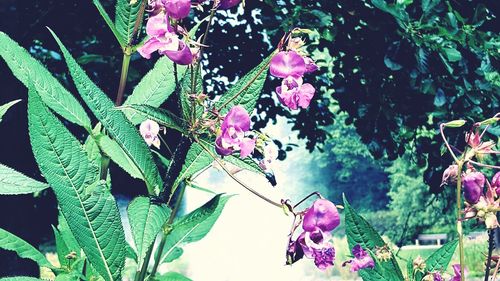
[[90, 237]]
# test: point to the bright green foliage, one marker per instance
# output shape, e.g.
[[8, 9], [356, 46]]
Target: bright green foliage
[[154, 88], [193, 227], [5, 107], [247, 90], [125, 17], [197, 159], [13, 182], [20, 278], [440, 259], [172, 276], [30, 71], [109, 22], [187, 91], [359, 231], [11, 242], [88, 207], [159, 115], [146, 221], [115, 122], [246, 163], [116, 153], [61, 247]]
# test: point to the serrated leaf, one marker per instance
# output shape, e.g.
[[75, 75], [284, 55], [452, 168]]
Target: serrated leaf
[[117, 155], [5, 107], [452, 54], [247, 90], [187, 91], [197, 159], [109, 22], [30, 71], [159, 115], [193, 227], [146, 220], [172, 276], [440, 259], [11, 242], [61, 247], [89, 209], [13, 182], [125, 16], [155, 88], [115, 122], [245, 163], [359, 231]]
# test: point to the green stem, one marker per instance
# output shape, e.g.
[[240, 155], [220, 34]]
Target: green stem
[[123, 77], [140, 275], [104, 166], [459, 220], [159, 251]]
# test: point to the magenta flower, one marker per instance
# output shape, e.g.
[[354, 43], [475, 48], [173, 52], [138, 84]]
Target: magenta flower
[[310, 65], [456, 270], [317, 245], [149, 130], [473, 186], [177, 9], [361, 259], [228, 4], [232, 136], [323, 215], [294, 94], [163, 39], [495, 183], [285, 64]]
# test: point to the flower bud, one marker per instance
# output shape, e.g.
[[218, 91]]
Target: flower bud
[[450, 175], [323, 215], [177, 9], [473, 186], [419, 264]]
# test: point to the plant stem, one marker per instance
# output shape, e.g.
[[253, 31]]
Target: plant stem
[[459, 221], [104, 167], [123, 78], [140, 275], [491, 245], [159, 251]]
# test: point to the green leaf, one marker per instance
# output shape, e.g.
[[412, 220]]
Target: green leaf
[[192, 227], [5, 107], [159, 115], [89, 208], [110, 23], [61, 247], [452, 54], [359, 231], [172, 276], [455, 123], [155, 88], [30, 71], [146, 221], [11, 242], [13, 182], [187, 91], [116, 153], [247, 90], [245, 163], [197, 159], [125, 16], [440, 259], [115, 122]]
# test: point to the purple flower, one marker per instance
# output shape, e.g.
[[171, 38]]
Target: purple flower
[[232, 136], [228, 4], [310, 65], [473, 186], [317, 245], [149, 130], [361, 259], [294, 94], [456, 270], [163, 39], [323, 215], [495, 183], [285, 64], [177, 9]]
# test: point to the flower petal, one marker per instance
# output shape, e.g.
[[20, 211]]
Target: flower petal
[[182, 56], [323, 215], [305, 94], [177, 9], [237, 117], [247, 146], [151, 46], [285, 64]]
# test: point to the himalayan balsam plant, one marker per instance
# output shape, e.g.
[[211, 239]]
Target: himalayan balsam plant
[[90, 238]]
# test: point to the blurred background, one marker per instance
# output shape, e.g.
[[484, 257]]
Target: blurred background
[[389, 74]]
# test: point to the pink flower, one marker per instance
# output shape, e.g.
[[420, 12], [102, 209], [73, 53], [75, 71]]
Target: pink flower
[[294, 94], [228, 4], [163, 39], [310, 65], [323, 215], [450, 175], [232, 136], [177, 9], [495, 183], [473, 186], [456, 270], [317, 245], [270, 154], [149, 130], [285, 64], [361, 259]]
